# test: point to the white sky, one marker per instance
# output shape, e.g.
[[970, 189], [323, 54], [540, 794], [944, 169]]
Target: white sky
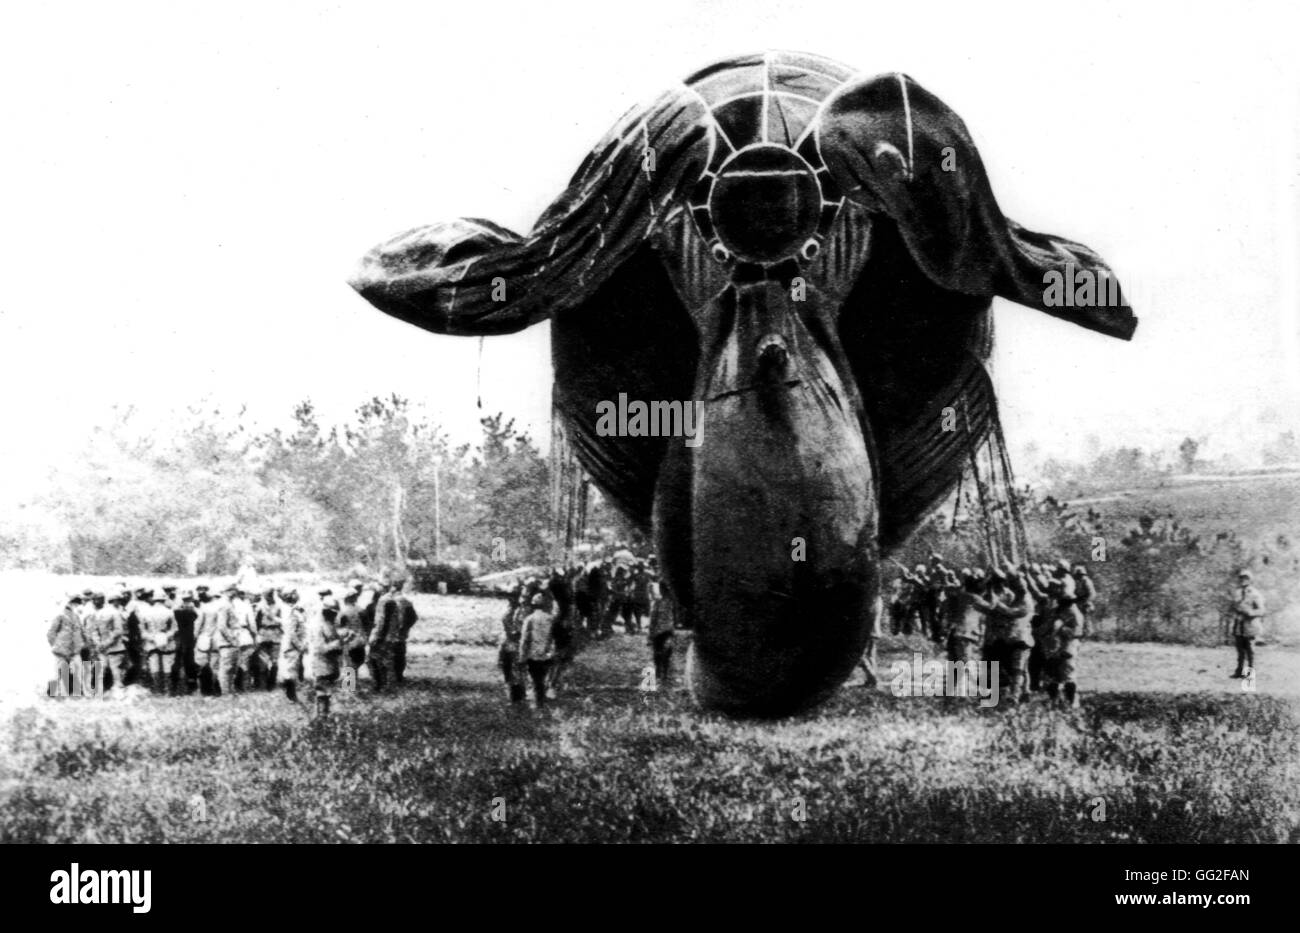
[[186, 191]]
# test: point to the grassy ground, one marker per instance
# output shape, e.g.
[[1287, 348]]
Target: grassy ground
[[1166, 748]]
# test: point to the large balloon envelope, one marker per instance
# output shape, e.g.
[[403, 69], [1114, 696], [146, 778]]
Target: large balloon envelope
[[809, 253]]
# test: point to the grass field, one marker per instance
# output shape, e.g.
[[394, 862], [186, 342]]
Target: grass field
[[1165, 748]]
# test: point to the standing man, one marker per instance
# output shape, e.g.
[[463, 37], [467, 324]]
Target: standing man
[[386, 633], [598, 582], [293, 644], [639, 597], [936, 580], [66, 642], [508, 659], [1062, 647], [133, 604], [245, 620], [185, 673], [111, 637], [1038, 585], [1085, 595], [918, 581], [1009, 631], [158, 637], [965, 626], [620, 605], [207, 658], [225, 641], [406, 619], [537, 646], [323, 651], [662, 631], [1247, 622], [269, 635], [351, 628]]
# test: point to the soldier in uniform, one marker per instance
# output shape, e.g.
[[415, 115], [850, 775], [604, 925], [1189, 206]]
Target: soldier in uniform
[[158, 633], [185, 673], [620, 593], [227, 639], [207, 640], [965, 623], [351, 629], [1247, 622], [582, 602], [638, 598], [537, 646], [915, 620], [269, 635], [293, 643], [1085, 594], [560, 591], [508, 659], [67, 640], [111, 638], [936, 581], [324, 648], [663, 623], [1008, 630], [133, 603], [598, 580], [245, 620], [1037, 583], [1062, 642], [387, 633], [406, 619]]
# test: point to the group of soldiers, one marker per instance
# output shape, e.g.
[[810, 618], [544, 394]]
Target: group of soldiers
[[237, 639], [548, 615], [1028, 619]]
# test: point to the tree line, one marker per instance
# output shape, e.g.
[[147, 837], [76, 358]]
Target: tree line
[[386, 487]]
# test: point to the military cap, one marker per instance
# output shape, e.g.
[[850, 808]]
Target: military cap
[[187, 596], [356, 585], [97, 595], [142, 592], [1245, 575], [75, 598], [169, 588], [1063, 565], [539, 600], [1080, 568], [269, 591], [327, 591], [329, 604], [202, 588], [87, 594]]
